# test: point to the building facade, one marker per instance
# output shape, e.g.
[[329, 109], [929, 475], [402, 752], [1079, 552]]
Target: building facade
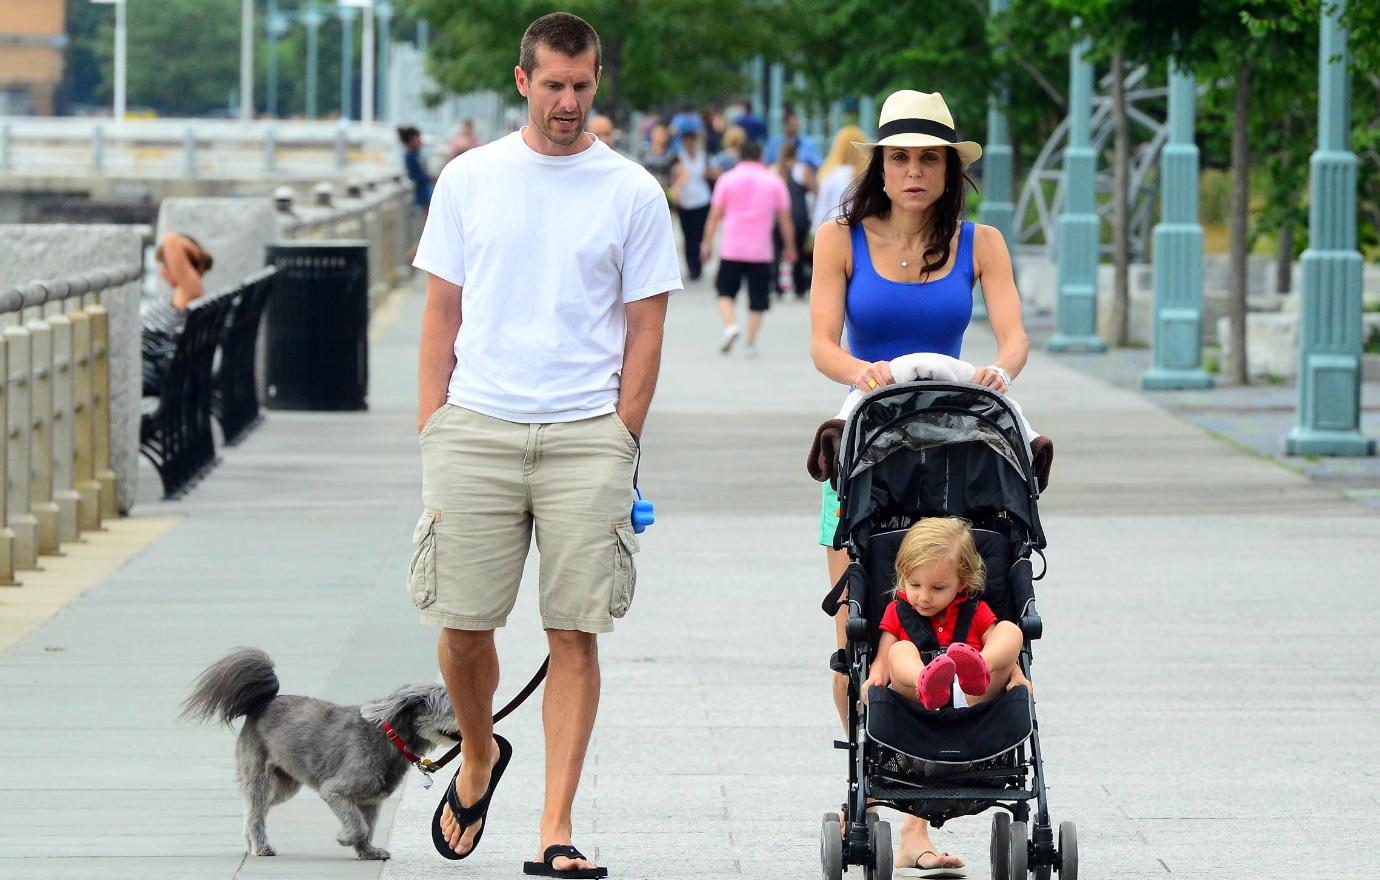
[[33, 38]]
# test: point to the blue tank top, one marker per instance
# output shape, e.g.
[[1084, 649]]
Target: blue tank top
[[887, 319]]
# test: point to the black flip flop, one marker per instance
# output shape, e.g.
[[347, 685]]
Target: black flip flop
[[547, 866], [467, 816]]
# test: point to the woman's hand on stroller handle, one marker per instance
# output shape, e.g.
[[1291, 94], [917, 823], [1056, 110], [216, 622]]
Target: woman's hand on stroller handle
[[872, 376]]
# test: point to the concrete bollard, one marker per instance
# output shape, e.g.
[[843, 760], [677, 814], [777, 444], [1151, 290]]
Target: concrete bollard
[[100, 400], [282, 199], [98, 148], [44, 509], [270, 152], [64, 495], [7, 577], [189, 163], [18, 424], [83, 440]]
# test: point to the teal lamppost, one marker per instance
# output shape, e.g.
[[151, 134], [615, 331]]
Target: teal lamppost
[[1176, 348], [1329, 402], [1076, 307], [867, 116], [997, 209]]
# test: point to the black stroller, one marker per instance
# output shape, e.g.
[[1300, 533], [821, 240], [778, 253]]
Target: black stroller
[[940, 449]]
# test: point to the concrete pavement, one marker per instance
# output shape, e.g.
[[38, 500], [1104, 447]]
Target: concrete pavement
[[1205, 681]]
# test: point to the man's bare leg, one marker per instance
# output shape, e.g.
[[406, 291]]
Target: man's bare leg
[[469, 665], [568, 709]]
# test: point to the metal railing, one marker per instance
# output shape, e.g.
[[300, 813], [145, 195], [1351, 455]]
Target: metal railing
[[182, 148], [56, 479]]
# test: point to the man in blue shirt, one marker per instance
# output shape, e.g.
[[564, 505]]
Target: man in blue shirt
[[806, 150]]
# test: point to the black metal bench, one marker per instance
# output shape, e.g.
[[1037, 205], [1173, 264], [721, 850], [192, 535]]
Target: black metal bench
[[175, 427], [235, 398]]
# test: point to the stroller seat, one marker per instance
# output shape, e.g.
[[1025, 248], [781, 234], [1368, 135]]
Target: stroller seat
[[950, 736]]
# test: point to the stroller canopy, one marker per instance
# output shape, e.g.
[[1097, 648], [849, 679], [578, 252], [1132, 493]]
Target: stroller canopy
[[935, 449]]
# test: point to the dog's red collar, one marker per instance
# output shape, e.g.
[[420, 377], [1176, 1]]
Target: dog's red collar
[[421, 763]]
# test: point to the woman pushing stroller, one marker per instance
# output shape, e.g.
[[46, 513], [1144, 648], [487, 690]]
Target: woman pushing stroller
[[897, 270]]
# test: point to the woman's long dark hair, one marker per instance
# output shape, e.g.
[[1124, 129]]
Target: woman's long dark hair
[[866, 197]]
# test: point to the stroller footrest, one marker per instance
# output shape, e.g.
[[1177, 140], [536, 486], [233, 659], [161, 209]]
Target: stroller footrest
[[950, 794]]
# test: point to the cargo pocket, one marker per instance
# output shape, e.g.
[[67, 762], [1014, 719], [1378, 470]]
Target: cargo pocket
[[624, 570], [421, 576]]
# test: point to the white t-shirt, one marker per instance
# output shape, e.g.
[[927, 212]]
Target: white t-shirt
[[831, 189], [548, 249]]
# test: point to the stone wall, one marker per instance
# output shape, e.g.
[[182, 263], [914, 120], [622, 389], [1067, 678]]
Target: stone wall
[[41, 252]]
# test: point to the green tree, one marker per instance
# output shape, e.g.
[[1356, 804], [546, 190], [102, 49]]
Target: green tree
[[673, 51], [183, 55]]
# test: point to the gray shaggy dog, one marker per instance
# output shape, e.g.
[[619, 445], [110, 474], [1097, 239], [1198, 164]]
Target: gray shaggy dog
[[340, 751]]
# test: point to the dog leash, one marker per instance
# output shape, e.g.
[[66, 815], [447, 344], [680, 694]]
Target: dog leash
[[426, 766]]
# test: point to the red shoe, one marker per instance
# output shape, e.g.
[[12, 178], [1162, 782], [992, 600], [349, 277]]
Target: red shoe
[[936, 686], [970, 667]]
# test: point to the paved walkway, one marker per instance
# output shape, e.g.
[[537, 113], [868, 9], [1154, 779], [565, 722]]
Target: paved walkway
[[1206, 680]]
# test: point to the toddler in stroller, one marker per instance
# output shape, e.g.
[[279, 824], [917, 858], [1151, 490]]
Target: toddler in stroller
[[937, 632], [933, 600]]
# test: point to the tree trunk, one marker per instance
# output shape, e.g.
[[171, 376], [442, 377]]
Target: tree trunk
[[1284, 259], [1240, 220], [610, 82], [1119, 318]]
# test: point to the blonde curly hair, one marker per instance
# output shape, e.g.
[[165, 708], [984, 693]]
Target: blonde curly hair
[[940, 537]]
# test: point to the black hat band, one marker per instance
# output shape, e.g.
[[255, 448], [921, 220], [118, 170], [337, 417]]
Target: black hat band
[[917, 126]]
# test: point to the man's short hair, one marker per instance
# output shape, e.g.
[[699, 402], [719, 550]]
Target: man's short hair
[[560, 32], [750, 151]]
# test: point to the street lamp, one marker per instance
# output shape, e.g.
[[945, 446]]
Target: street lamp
[[275, 26], [313, 19], [347, 58], [118, 110], [366, 53], [246, 60]]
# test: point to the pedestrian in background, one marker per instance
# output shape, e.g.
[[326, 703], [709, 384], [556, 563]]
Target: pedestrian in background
[[690, 195], [726, 158], [799, 178], [659, 158], [806, 150], [602, 127], [841, 167], [747, 200]]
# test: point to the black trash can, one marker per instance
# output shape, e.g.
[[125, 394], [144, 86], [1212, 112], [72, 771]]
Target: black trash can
[[317, 326]]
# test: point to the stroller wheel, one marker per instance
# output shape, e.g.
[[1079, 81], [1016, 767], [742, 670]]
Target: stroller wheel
[[1001, 843], [1017, 853], [831, 847], [1068, 851], [879, 845]]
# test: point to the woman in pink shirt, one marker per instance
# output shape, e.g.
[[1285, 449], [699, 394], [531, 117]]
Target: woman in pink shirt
[[749, 200]]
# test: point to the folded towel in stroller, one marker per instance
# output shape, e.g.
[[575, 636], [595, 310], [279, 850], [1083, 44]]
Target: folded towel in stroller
[[824, 452]]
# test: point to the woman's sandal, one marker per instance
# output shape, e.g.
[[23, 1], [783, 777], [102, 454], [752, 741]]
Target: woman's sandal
[[547, 866], [970, 667], [935, 689], [467, 816], [914, 870]]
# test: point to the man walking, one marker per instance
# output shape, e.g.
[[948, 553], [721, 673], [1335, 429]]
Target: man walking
[[550, 258], [747, 200]]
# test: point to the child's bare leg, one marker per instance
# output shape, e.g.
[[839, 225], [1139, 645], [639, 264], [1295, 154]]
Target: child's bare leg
[[905, 666], [1001, 652]]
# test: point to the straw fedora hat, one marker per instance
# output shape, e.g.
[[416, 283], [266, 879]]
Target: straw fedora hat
[[917, 119]]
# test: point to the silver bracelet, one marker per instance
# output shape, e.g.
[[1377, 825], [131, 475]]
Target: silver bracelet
[[1005, 376]]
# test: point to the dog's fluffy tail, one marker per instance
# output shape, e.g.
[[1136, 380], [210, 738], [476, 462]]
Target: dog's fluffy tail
[[238, 685]]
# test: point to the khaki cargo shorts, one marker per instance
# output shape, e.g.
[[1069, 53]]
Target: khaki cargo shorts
[[487, 484]]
